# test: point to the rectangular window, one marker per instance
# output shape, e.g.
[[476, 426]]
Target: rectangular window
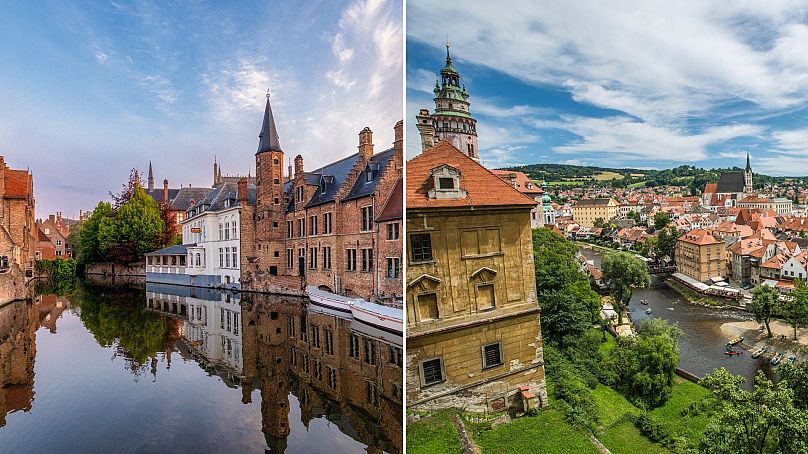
[[373, 393], [221, 231], [392, 231], [353, 346], [329, 342], [313, 225], [326, 223], [432, 371], [227, 230], [446, 183], [367, 218], [313, 258], [301, 227], [367, 260], [233, 230], [318, 370], [290, 325], [326, 257], [350, 262], [395, 356], [304, 332], [290, 231], [393, 267], [332, 378], [227, 257], [421, 247], [235, 257], [315, 336], [290, 258], [221, 258], [293, 357], [370, 351], [492, 355]]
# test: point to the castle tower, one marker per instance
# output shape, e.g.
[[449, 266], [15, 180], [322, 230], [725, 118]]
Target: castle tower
[[747, 176], [151, 178], [269, 212], [547, 207], [452, 118]]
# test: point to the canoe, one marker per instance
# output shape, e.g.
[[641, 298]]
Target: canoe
[[733, 352], [383, 317], [329, 300], [759, 352], [735, 341], [776, 359]]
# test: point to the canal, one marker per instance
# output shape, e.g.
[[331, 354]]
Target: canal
[[178, 369], [701, 347]]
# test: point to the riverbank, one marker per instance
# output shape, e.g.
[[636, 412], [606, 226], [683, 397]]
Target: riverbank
[[756, 337]]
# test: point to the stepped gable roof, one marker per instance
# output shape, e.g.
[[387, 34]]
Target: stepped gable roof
[[329, 177], [730, 182], [375, 167], [699, 237], [482, 187], [523, 183], [182, 201], [394, 208], [18, 184]]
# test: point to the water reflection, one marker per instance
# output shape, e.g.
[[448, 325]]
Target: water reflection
[[226, 367]]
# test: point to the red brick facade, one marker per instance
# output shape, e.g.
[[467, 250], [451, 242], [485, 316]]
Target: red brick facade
[[17, 227]]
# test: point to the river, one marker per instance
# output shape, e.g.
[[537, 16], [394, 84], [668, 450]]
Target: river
[[701, 347], [179, 369]]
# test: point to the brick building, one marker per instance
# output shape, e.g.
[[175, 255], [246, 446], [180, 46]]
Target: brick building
[[473, 330], [18, 234], [319, 227], [179, 200]]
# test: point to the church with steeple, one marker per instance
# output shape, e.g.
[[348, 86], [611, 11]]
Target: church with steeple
[[452, 119]]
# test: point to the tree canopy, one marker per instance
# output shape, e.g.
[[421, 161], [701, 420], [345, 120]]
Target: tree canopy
[[765, 301]]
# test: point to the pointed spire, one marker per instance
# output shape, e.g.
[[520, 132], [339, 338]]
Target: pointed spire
[[448, 57], [151, 177], [748, 165], [268, 139]]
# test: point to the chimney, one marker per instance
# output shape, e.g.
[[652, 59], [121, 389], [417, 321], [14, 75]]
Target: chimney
[[81, 214], [165, 191], [298, 165], [242, 191], [59, 216], [52, 218], [365, 144], [398, 142], [289, 174]]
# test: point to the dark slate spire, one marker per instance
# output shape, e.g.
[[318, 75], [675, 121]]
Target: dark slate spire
[[151, 178], [268, 139], [748, 165]]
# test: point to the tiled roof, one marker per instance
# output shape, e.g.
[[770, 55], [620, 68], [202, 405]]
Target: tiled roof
[[483, 188], [362, 187], [710, 188], [332, 176], [158, 193], [699, 237], [523, 183], [394, 208], [730, 182], [18, 184], [182, 201], [593, 202]]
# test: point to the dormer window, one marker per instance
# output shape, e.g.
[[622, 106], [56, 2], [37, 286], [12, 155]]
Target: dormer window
[[446, 183], [368, 175]]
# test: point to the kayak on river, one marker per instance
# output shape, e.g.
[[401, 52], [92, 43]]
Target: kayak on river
[[733, 352]]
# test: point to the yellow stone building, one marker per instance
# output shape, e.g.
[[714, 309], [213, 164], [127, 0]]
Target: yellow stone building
[[473, 330], [586, 211], [700, 255]]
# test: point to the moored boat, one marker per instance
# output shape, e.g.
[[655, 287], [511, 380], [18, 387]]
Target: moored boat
[[792, 359], [382, 317], [776, 359], [330, 300], [735, 341], [648, 311], [733, 352], [757, 353]]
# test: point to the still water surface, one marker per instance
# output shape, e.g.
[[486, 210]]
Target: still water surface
[[189, 370]]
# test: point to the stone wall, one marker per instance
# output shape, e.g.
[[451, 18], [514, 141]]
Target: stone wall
[[13, 285], [116, 269], [18, 324]]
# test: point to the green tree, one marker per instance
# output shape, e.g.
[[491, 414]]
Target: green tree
[[137, 228], [796, 376], [582, 291], [554, 261], [795, 307], [634, 215], [666, 243], [764, 420], [90, 250], [622, 272], [765, 301], [563, 315], [600, 223], [661, 220]]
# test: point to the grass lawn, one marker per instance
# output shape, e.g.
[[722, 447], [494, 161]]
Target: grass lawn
[[683, 394], [611, 342], [611, 405], [434, 434], [607, 175], [625, 438], [547, 432], [639, 184]]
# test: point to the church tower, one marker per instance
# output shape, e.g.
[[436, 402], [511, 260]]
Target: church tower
[[747, 177], [452, 118], [215, 171], [151, 179]]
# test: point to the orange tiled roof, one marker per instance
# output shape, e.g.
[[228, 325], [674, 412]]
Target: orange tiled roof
[[699, 237], [523, 183], [711, 188], [482, 186]]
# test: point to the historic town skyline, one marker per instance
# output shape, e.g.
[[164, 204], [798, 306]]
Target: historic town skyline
[[696, 84], [132, 87]]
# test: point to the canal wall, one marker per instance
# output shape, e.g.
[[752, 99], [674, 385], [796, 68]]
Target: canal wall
[[261, 282], [115, 269], [12, 285]]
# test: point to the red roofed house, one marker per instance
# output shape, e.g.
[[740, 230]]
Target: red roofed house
[[472, 311], [18, 234], [523, 184], [700, 255]]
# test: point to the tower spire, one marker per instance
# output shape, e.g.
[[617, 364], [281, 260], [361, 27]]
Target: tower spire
[[268, 138], [748, 165], [151, 177]]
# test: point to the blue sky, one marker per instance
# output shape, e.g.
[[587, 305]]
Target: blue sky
[[646, 84], [89, 90]]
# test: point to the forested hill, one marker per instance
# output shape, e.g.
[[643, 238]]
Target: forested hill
[[691, 176]]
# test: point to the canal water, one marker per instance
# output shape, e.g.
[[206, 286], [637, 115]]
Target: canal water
[[189, 370], [701, 347]]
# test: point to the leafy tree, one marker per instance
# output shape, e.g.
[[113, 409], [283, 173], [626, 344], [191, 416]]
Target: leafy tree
[[795, 307], [127, 190], [765, 301], [648, 247], [661, 220], [599, 223], [563, 315], [554, 261], [634, 215], [796, 376], [622, 272], [582, 292], [666, 243], [90, 249], [137, 228], [764, 420], [654, 326]]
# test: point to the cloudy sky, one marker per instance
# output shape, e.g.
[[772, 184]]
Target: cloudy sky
[[627, 83], [90, 90]]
